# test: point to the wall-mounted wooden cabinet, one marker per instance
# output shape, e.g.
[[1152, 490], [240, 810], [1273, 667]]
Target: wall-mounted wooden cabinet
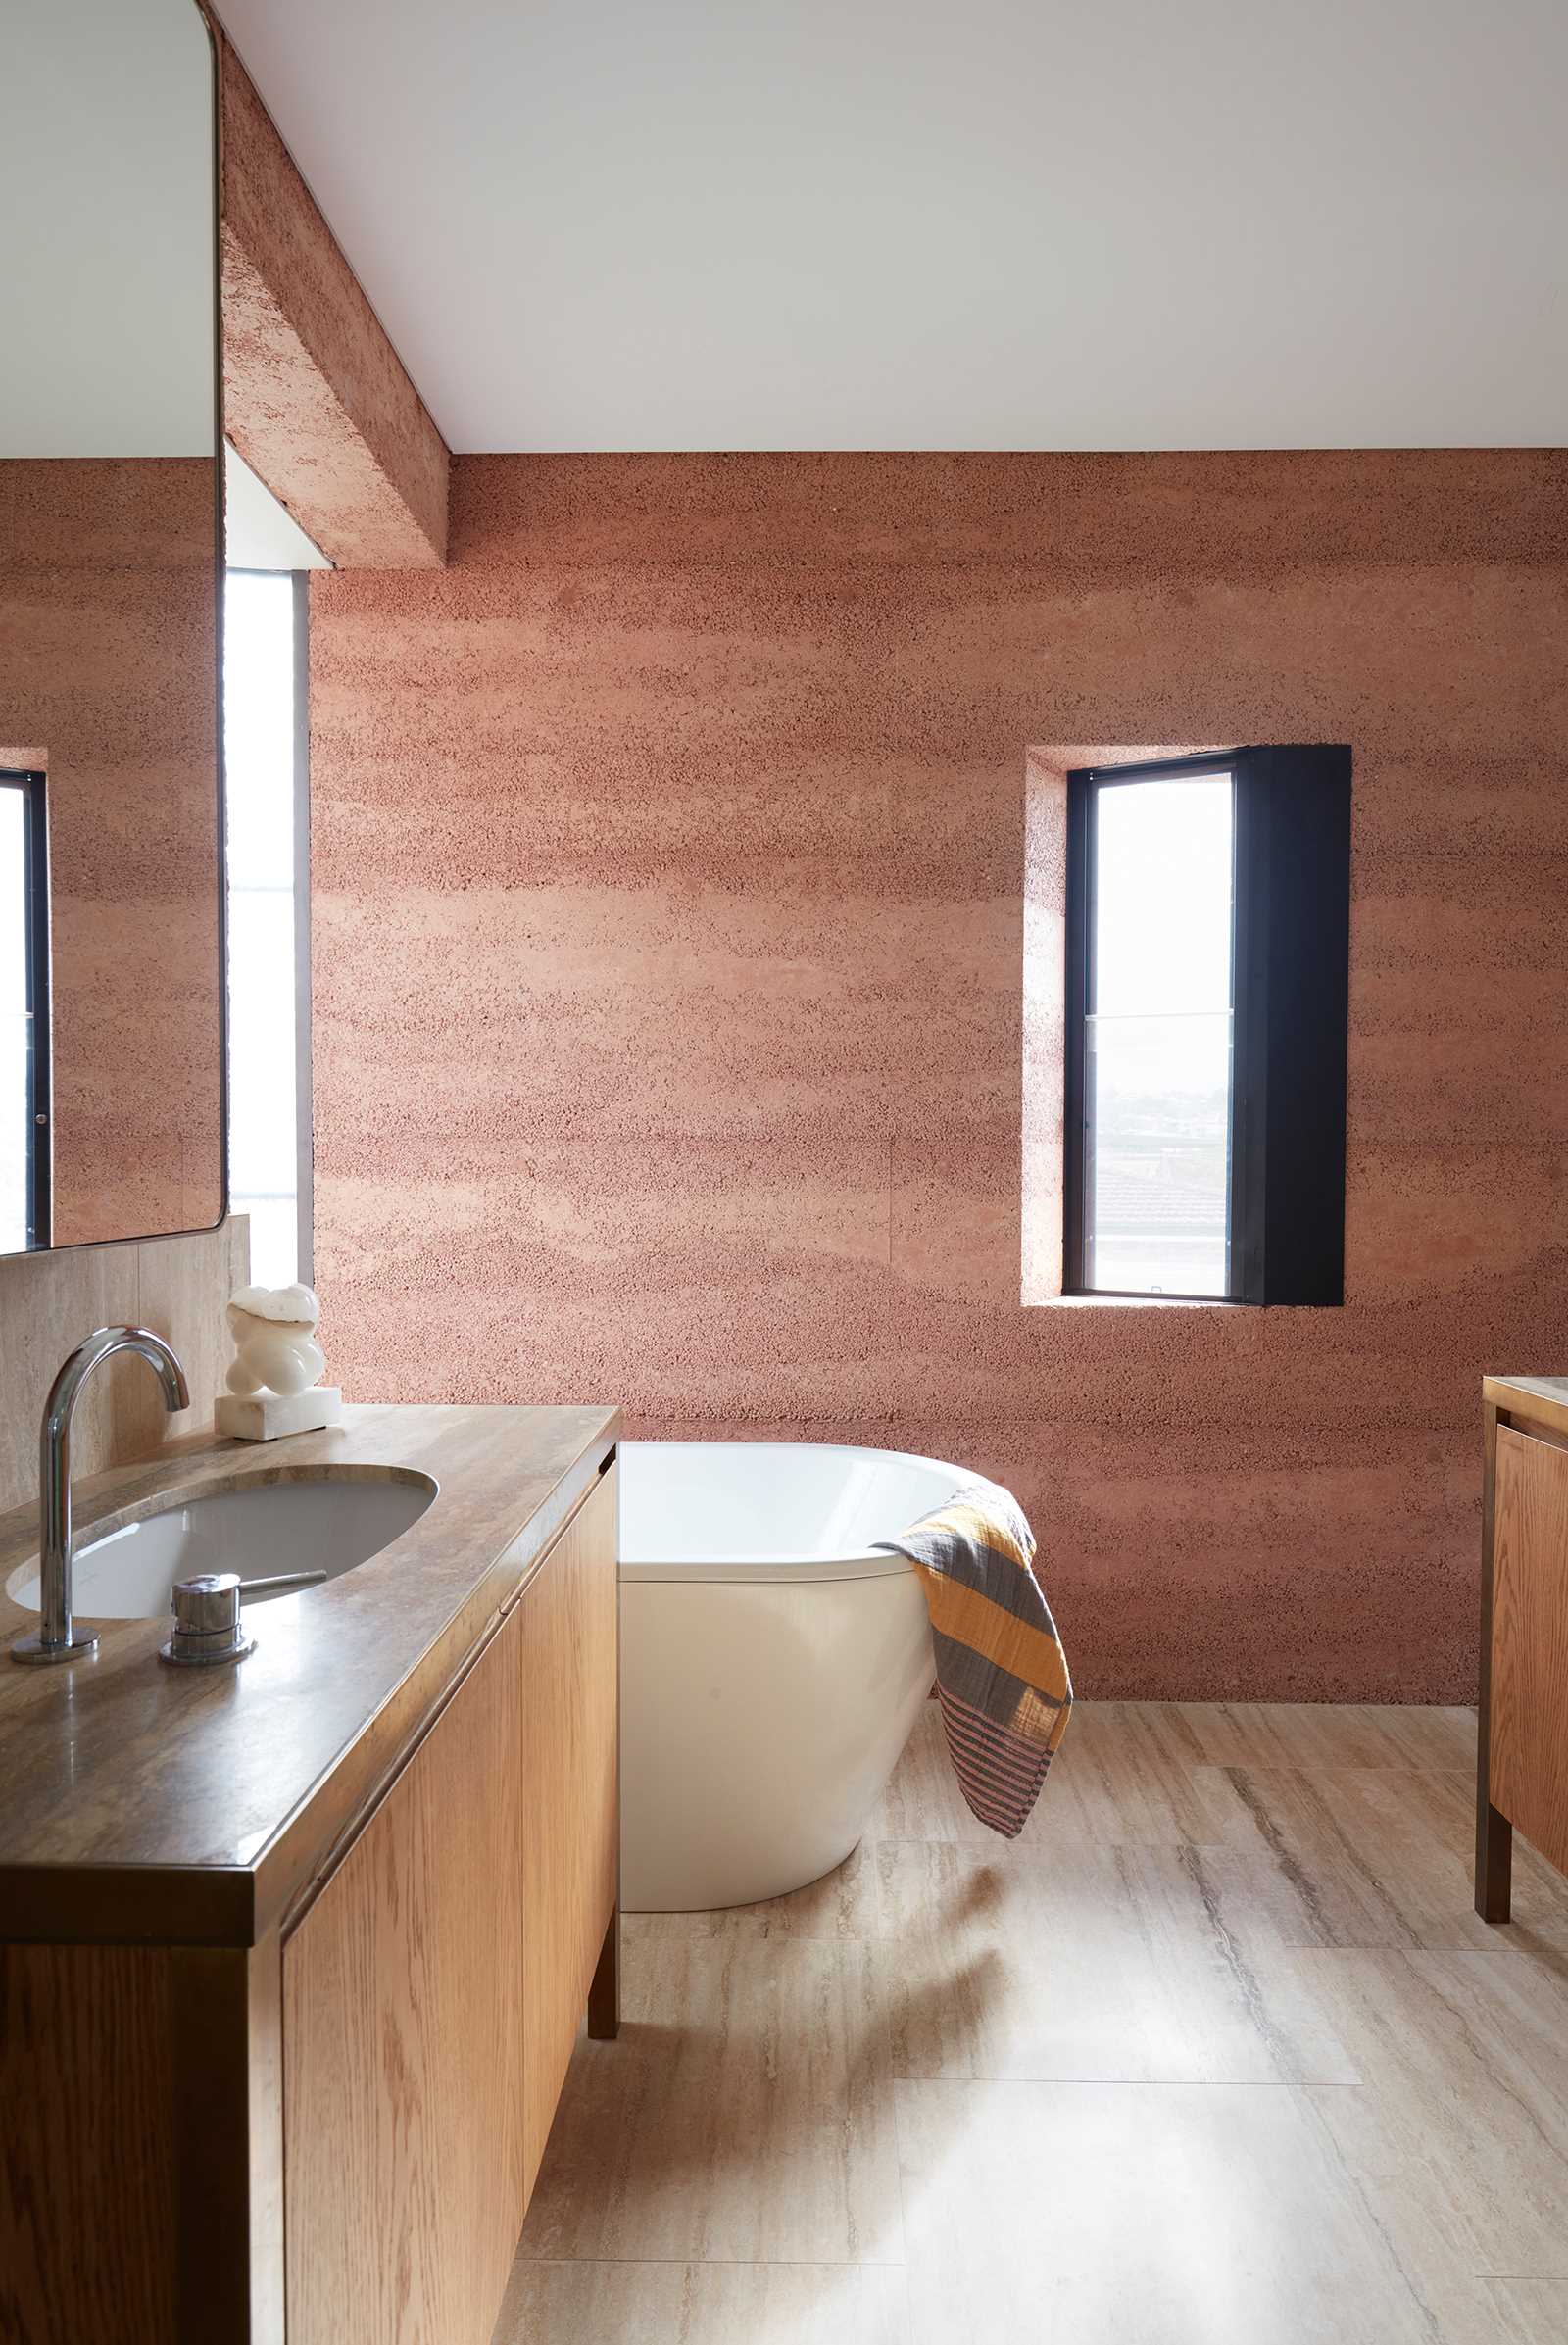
[[330, 2137], [404, 2060], [571, 1803], [1523, 1759], [433, 1991]]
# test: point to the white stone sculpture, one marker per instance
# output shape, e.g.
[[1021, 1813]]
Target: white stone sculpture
[[274, 1339], [273, 1386]]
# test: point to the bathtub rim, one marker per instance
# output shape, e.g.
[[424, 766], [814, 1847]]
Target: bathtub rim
[[753, 1568]]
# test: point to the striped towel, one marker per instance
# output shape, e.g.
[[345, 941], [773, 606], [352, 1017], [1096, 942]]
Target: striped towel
[[1002, 1675]]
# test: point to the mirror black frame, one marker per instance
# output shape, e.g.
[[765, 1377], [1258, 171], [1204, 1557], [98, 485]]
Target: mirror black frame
[[35, 950]]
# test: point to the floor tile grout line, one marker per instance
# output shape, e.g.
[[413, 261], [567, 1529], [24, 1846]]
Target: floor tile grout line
[[1156, 2083], [721, 2262]]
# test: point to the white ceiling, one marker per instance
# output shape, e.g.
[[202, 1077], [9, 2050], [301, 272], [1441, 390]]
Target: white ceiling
[[916, 223]]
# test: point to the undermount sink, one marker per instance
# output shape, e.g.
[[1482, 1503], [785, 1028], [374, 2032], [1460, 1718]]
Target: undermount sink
[[328, 1523]]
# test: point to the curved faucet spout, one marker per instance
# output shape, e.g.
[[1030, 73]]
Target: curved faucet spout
[[58, 1639]]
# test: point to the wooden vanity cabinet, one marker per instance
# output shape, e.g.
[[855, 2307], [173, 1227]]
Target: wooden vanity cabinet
[[403, 2043], [296, 2094], [1522, 1776], [570, 1798], [433, 1989]]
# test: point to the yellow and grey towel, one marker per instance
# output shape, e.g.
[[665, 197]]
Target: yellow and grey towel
[[1002, 1675]]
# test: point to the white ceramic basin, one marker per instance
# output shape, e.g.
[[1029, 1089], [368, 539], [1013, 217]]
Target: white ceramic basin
[[329, 1524]]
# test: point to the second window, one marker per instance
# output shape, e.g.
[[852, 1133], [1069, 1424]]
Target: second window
[[1208, 912]]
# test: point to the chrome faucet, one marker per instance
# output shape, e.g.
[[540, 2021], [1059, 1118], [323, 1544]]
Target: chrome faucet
[[57, 1637]]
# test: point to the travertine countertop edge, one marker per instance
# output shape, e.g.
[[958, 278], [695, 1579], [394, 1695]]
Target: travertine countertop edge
[[197, 1803]]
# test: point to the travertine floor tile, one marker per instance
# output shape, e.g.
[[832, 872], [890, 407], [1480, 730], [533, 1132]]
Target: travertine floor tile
[[1117, 1779], [1313, 1735], [1436, 2265], [1116, 1963], [1465, 2062], [705, 2303], [1138, 2215], [1531, 2311], [1383, 1856], [1126, 2048], [745, 2114], [1432, 1738], [1121, 1780]]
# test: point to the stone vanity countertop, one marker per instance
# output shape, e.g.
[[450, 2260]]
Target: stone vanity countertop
[[1543, 1397], [198, 1806]]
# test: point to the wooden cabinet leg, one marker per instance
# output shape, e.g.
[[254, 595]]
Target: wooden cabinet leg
[[1494, 1831], [1494, 1866], [603, 1995]]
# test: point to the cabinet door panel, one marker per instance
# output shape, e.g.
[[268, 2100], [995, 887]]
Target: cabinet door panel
[[91, 2173], [571, 1699], [402, 2060], [1529, 1737]]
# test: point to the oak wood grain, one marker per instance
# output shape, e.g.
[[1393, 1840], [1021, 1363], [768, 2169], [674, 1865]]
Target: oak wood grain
[[1528, 1739], [88, 2210], [570, 1824], [228, 2144], [403, 2110]]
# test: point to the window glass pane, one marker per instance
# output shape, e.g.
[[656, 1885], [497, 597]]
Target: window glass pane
[[14, 1104], [260, 1040], [1158, 1056], [14, 900], [1163, 879], [263, 1010], [275, 1237], [259, 727], [1158, 1160]]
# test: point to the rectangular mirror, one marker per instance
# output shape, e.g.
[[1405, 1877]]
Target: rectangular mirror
[[111, 1051]]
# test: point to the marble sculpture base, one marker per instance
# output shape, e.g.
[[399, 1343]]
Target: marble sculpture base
[[266, 1416]]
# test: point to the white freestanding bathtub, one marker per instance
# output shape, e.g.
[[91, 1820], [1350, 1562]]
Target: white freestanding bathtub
[[772, 1661]]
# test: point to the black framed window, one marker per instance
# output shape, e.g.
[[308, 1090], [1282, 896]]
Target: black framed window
[[25, 1155], [1208, 983]]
